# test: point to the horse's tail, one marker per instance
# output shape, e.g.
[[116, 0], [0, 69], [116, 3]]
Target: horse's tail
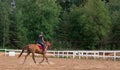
[[22, 51]]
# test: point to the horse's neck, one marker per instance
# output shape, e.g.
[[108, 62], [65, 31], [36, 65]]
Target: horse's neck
[[46, 47]]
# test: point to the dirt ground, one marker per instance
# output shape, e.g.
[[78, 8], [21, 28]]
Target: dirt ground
[[12, 63]]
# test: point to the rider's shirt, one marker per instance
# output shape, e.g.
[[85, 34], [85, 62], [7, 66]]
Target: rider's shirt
[[40, 39]]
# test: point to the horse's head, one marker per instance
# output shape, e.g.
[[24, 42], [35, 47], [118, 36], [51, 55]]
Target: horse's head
[[48, 44]]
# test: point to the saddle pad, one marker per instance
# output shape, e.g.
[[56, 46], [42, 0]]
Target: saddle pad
[[40, 47]]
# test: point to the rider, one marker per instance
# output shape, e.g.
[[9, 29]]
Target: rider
[[41, 41]]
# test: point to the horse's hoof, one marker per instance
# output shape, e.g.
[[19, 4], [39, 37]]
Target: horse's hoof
[[48, 62], [40, 62]]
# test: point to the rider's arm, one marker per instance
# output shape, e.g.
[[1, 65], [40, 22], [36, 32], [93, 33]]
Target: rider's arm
[[43, 40]]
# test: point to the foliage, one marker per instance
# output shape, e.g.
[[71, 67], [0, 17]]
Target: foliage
[[4, 23], [89, 24], [68, 24], [38, 16], [101, 20], [114, 7]]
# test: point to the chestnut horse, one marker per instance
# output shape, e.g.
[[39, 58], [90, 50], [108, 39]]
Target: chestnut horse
[[34, 48]]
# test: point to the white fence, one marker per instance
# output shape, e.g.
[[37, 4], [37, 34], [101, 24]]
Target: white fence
[[114, 54], [88, 54]]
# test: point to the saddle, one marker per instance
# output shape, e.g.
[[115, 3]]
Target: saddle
[[40, 47]]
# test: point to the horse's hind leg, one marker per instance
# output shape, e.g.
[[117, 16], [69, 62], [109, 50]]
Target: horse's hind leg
[[26, 56]]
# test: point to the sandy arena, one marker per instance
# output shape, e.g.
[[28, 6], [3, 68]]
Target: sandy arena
[[12, 63]]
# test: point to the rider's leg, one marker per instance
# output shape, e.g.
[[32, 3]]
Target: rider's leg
[[43, 46]]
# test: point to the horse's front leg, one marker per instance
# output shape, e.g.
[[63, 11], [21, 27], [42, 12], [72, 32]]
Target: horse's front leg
[[46, 58], [42, 59], [33, 56]]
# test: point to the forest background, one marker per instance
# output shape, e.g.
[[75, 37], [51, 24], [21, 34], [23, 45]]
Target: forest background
[[67, 24]]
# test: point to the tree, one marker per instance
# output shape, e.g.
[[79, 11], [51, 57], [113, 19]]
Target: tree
[[50, 12], [101, 19], [34, 16], [4, 22], [114, 37], [90, 25]]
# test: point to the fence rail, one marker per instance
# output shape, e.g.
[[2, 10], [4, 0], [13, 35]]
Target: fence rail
[[114, 54]]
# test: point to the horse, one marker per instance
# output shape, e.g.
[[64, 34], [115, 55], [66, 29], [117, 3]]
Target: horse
[[34, 48]]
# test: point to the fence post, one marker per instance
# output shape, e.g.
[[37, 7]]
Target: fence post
[[79, 55], [67, 54], [54, 53], [63, 54], [87, 55], [94, 54], [58, 54], [114, 56], [5, 52], [104, 55], [74, 54]]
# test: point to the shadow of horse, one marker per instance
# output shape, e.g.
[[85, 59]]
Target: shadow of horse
[[34, 48]]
